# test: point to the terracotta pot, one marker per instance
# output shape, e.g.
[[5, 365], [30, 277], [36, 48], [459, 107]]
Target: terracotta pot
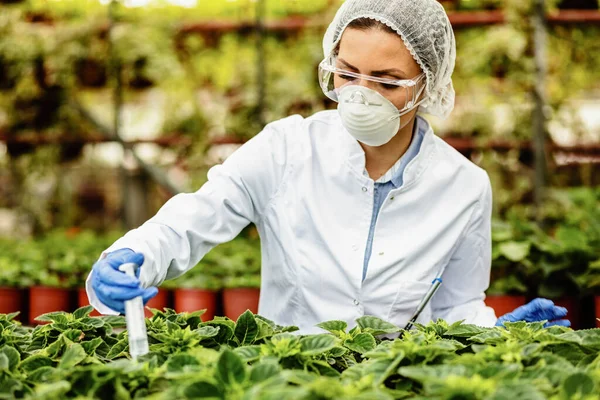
[[43, 300], [597, 304], [12, 300], [160, 301], [190, 300], [504, 304], [237, 300], [573, 305], [82, 301]]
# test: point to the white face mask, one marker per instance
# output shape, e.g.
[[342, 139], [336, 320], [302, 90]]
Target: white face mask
[[368, 116]]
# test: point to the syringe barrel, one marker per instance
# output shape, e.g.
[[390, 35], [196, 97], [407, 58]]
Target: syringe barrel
[[135, 318]]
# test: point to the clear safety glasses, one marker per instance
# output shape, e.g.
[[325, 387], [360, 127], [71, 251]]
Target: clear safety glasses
[[398, 89]]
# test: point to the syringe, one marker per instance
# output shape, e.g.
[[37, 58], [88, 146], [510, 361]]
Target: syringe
[[134, 316]]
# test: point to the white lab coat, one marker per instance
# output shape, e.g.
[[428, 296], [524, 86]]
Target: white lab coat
[[302, 182]]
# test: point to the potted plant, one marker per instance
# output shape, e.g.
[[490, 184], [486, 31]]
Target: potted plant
[[509, 265], [240, 262], [12, 279], [590, 284], [196, 290], [48, 292], [241, 293], [235, 266]]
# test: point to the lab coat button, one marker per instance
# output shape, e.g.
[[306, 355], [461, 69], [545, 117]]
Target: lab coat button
[[356, 302], [354, 247], [381, 253], [364, 189]]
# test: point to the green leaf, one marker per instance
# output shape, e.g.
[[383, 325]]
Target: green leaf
[[515, 251], [248, 353], [588, 338], [464, 330], [91, 345], [334, 327], [54, 390], [382, 369], [338, 351], [231, 368], [263, 371], [322, 368], [42, 374], [4, 362], [202, 390], [178, 362], [491, 336], [116, 321], [59, 317], [266, 321], [246, 328], [12, 356], [226, 329], [118, 349], [82, 312], [517, 390], [34, 362], [317, 344], [578, 385], [265, 330], [55, 349], [207, 331], [361, 343], [74, 335], [425, 373], [376, 326], [73, 356]]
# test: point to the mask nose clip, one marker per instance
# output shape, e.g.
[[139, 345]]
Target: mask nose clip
[[359, 98]]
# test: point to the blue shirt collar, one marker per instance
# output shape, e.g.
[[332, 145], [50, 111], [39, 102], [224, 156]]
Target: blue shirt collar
[[412, 151]]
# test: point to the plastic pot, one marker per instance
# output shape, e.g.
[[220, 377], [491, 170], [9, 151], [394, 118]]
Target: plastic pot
[[190, 300], [82, 301], [503, 304], [597, 314], [43, 300], [237, 300], [573, 306], [160, 301], [12, 300]]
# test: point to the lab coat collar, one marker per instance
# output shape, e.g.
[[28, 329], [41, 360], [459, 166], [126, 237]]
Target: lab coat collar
[[356, 155]]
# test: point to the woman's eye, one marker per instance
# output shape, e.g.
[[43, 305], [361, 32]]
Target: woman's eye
[[388, 86], [346, 77]]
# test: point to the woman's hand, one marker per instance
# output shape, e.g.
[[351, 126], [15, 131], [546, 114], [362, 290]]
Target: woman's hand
[[112, 286], [535, 311]]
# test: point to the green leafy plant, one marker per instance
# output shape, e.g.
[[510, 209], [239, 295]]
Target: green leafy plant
[[553, 260], [75, 356]]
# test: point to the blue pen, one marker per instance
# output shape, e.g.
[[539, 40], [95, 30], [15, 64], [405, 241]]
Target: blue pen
[[434, 287]]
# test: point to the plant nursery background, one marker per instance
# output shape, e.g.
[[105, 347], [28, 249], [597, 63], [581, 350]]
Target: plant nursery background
[[109, 108]]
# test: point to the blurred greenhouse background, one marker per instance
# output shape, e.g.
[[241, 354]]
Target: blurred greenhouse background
[[109, 108]]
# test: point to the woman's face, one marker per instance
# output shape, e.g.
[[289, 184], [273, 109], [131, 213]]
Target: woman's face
[[377, 53]]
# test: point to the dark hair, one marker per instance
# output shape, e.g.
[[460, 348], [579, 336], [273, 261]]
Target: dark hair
[[364, 24]]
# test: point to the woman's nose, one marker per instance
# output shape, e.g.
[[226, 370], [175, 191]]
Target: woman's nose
[[367, 83]]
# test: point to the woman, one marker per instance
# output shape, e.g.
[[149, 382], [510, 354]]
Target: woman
[[358, 209]]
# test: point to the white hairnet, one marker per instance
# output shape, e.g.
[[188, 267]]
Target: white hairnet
[[427, 33]]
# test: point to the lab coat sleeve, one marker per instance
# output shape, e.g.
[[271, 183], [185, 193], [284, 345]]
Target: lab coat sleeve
[[467, 275], [189, 225]]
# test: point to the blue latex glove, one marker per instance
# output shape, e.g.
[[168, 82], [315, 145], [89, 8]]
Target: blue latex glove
[[114, 287], [535, 311]]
